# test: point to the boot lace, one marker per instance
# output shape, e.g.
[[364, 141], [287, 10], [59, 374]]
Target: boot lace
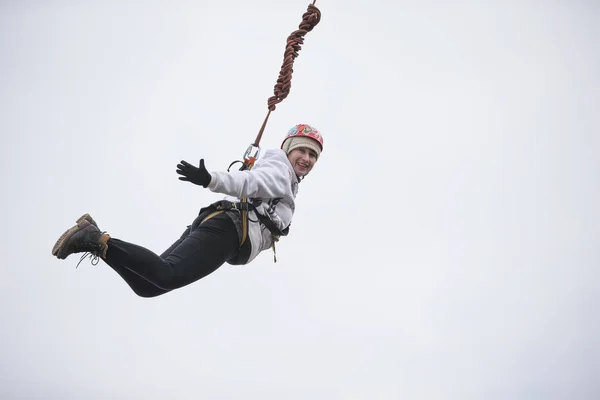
[[94, 255], [94, 259]]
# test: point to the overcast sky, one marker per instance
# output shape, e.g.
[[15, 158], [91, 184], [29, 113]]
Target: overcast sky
[[445, 246]]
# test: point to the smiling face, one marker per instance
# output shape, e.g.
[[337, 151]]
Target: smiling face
[[302, 159]]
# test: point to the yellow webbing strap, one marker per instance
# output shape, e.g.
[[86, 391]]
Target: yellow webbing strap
[[244, 222], [209, 216]]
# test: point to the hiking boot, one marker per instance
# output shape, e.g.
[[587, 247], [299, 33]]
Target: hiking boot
[[83, 237]]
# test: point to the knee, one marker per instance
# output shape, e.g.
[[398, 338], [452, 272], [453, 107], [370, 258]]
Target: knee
[[147, 294], [168, 284], [168, 279]]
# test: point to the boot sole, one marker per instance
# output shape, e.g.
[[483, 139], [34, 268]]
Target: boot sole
[[81, 222]]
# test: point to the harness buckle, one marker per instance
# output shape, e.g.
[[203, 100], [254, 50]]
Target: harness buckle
[[224, 205]]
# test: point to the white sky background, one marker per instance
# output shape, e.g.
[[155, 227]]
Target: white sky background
[[444, 247]]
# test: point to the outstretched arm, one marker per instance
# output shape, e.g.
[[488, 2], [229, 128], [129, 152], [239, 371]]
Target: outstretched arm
[[269, 179]]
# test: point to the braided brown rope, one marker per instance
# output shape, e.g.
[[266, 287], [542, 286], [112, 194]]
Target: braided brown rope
[[295, 40]]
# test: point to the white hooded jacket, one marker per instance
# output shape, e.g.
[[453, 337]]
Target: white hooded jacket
[[271, 186]]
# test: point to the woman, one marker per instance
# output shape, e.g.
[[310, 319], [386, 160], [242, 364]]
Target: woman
[[257, 209]]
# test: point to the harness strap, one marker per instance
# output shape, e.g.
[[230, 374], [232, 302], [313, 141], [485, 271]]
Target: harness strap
[[244, 204], [222, 206], [211, 215]]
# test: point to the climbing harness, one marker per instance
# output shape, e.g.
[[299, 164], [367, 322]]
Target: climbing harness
[[282, 88], [243, 207], [225, 205]]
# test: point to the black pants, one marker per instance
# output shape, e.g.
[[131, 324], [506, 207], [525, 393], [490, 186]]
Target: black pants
[[200, 251]]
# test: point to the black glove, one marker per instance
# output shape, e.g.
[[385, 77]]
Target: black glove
[[198, 176]]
